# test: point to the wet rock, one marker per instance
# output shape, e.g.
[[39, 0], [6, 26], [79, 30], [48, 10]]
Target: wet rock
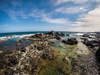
[[85, 35], [25, 38], [18, 40], [97, 54], [9, 36], [70, 41], [64, 41], [62, 34], [67, 35], [1, 51], [58, 37], [1, 41], [51, 32], [18, 44]]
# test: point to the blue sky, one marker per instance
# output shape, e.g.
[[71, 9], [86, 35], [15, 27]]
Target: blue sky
[[45, 15]]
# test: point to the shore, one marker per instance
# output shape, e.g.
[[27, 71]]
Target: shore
[[44, 57]]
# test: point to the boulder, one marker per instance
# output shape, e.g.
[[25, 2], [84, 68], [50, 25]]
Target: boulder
[[51, 32], [64, 41], [67, 35], [85, 35], [72, 41], [58, 37]]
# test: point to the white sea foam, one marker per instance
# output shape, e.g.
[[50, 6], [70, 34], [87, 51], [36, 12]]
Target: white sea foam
[[14, 36], [79, 34]]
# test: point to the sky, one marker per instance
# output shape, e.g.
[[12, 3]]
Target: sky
[[46, 15]]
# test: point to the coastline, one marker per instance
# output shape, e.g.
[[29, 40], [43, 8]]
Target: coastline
[[31, 59]]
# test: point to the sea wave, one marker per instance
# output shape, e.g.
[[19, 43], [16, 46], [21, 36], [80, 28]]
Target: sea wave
[[79, 34], [14, 36]]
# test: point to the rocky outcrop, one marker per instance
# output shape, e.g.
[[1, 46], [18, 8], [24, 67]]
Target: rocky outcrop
[[92, 41], [25, 61], [51, 32], [70, 41], [43, 36]]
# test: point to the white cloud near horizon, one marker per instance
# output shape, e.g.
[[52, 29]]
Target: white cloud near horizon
[[89, 21]]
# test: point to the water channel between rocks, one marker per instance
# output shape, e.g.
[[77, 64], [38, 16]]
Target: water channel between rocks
[[81, 61]]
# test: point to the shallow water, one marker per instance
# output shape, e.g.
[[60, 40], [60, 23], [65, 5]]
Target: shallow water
[[10, 44], [81, 61]]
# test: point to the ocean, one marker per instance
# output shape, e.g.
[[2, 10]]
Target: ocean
[[9, 43]]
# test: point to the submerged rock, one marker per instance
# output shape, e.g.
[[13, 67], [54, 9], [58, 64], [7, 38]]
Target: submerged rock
[[47, 54], [1, 51], [1, 41], [18, 44], [18, 40]]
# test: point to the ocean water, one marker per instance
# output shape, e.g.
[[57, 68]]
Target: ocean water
[[10, 42]]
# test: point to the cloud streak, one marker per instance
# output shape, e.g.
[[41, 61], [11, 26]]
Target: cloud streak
[[71, 10], [57, 21], [3, 25], [58, 2]]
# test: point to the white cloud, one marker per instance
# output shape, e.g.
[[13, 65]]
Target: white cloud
[[14, 14], [98, 1], [3, 25], [75, 1], [90, 21], [58, 20], [71, 10]]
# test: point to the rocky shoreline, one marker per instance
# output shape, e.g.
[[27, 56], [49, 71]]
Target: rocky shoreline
[[26, 60], [92, 41]]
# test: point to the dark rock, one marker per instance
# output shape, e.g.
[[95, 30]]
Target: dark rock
[[85, 35], [64, 41], [58, 37], [23, 50], [72, 41], [97, 54], [67, 35], [51, 32]]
